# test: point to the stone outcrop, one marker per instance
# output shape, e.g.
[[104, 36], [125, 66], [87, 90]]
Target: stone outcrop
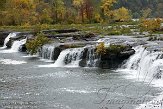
[[110, 59], [3, 35], [118, 51]]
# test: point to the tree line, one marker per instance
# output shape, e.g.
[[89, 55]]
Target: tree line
[[31, 12]]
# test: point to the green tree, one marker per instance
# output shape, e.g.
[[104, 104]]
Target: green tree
[[35, 44], [2, 4], [59, 10], [43, 13], [78, 4], [146, 13]]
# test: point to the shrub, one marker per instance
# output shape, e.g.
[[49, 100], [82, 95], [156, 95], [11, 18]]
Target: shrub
[[151, 25], [100, 49], [35, 44], [115, 49]]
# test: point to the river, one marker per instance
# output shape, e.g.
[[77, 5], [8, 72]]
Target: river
[[35, 83], [26, 85]]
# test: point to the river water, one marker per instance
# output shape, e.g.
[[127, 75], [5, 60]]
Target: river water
[[23, 84], [31, 82]]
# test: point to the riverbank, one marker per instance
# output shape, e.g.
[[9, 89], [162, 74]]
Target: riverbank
[[98, 28]]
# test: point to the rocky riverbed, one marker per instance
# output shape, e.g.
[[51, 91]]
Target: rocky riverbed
[[81, 46]]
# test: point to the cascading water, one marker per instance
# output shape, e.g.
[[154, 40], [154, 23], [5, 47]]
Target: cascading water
[[69, 57], [73, 57], [146, 65], [8, 38], [17, 44], [92, 57], [47, 52]]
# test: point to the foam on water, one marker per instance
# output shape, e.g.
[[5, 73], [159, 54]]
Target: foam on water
[[8, 38], [67, 58], [156, 103], [146, 66], [47, 52], [15, 46], [30, 56], [10, 61], [73, 90]]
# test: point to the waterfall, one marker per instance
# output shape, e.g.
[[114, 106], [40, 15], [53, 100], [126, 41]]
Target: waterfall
[[69, 57], [8, 38], [15, 46], [47, 52], [72, 57], [92, 57], [147, 65]]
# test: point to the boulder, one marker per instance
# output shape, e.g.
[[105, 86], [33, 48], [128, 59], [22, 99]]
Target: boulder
[[111, 59], [22, 48], [114, 58]]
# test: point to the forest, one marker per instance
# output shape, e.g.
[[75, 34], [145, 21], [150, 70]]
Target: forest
[[31, 12]]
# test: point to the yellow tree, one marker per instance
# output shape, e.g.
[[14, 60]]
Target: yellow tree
[[121, 14], [18, 12], [43, 12], [2, 8], [78, 4], [100, 48], [84, 9], [106, 6], [151, 24], [58, 9]]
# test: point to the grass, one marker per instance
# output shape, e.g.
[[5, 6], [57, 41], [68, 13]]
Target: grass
[[103, 29]]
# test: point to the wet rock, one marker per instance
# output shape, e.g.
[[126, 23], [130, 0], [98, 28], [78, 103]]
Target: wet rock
[[20, 36], [3, 35], [9, 44], [112, 59], [56, 53], [74, 36], [23, 48], [60, 31]]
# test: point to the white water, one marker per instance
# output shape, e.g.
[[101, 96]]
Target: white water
[[72, 57], [146, 66], [10, 61], [67, 58], [15, 46], [47, 52], [8, 38], [92, 57]]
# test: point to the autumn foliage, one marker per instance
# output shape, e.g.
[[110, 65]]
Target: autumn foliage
[[100, 49], [151, 25], [32, 12]]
